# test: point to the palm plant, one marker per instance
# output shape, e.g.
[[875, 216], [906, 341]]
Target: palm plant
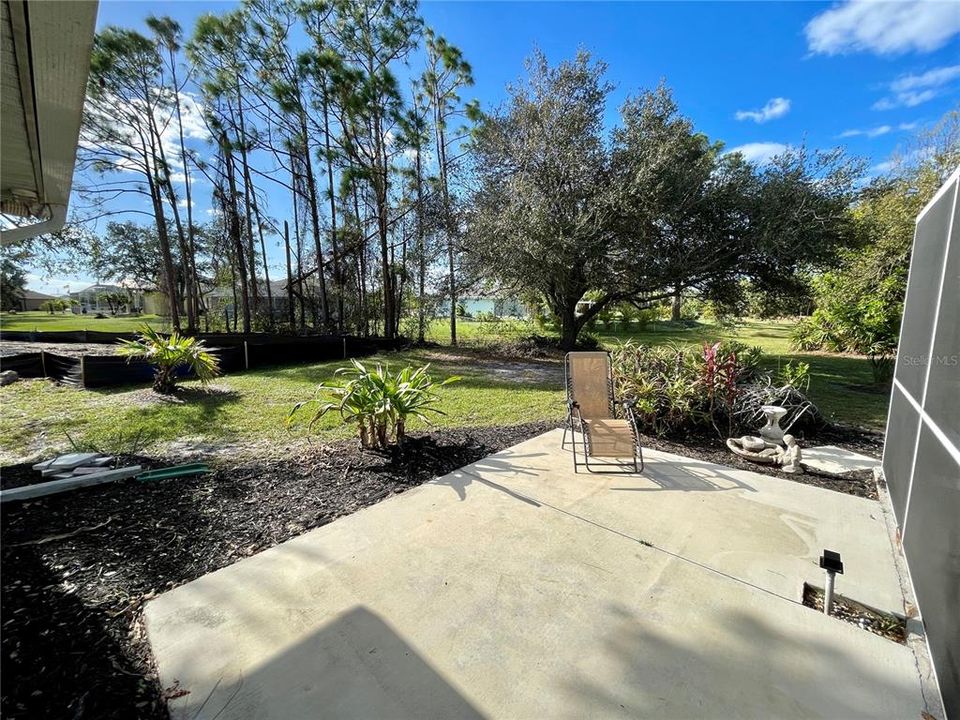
[[377, 401], [170, 354]]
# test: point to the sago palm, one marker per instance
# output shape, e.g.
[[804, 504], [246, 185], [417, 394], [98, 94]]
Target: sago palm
[[170, 354]]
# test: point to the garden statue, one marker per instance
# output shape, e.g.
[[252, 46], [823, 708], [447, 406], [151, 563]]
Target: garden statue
[[758, 450], [772, 430], [790, 457], [755, 449]]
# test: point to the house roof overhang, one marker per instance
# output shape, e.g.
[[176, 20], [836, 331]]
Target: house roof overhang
[[45, 60]]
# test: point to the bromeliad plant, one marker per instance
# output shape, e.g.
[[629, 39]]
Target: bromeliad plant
[[170, 354], [682, 388], [377, 401]]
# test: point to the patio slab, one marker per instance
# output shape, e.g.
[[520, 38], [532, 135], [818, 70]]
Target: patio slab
[[837, 460], [514, 588]]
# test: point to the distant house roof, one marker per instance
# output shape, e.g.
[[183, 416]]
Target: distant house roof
[[34, 295], [278, 288], [99, 288]]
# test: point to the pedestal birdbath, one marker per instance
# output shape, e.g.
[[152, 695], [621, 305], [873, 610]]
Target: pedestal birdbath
[[772, 430]]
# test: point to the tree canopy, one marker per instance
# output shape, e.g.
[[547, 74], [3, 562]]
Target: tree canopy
[[563, 207]]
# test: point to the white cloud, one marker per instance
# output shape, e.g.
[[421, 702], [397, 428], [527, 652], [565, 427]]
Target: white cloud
[[760, 152], [869, 132], [883, 167], [883, 27], [913, 90], [775, 108], [119, 118], [907, 126]]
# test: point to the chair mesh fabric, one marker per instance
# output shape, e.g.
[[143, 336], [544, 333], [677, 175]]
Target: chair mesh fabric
[[610, 438], [589, 380]]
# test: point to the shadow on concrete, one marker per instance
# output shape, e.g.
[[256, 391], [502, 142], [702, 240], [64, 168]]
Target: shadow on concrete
[[355, 666], [459, 480], [672, 475], [751, 668]]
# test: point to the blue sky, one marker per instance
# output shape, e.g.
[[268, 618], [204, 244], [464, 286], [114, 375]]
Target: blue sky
[[756, 75]]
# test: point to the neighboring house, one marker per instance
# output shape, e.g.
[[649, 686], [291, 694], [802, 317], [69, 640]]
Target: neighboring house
[[32, 300], [220, 300], [90, 299], [501, 306]]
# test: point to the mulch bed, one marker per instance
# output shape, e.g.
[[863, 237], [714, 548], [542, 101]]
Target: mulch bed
[[77, 567], [712, 449], [882, 624]]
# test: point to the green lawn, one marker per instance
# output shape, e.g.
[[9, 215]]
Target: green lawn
[[839, 383], [38, 320], [252, 406]]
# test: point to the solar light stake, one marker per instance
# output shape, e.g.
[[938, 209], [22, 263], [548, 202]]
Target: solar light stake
[[828, 593], [830, 561]]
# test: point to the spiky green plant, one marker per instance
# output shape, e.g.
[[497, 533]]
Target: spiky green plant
[[376, 400], [169, 354]]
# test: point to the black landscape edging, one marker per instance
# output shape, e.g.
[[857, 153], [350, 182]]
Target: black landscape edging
[[235, 353]]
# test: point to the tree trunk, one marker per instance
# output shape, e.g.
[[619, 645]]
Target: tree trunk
[[334, 245], [421, 257], [263, 250], [675, 314], [247, 207], [290, 308], [315, 220], [362, 251], [569, 328], [453, 295], [190, 261], [237, 235], [170, 278]]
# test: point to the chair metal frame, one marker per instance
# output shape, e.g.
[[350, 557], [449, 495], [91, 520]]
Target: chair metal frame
[[574, 416]]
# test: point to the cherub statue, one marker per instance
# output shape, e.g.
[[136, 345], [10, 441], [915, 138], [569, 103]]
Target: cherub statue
[[789, 458]]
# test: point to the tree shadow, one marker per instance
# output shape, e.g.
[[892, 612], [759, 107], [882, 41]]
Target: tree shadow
[[747, 666]]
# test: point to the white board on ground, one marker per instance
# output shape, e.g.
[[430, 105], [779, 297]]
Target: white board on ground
[[71, 483]]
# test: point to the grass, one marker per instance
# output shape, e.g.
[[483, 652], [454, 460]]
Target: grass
[[839, 384], [252, 406], [249, 406], [39, 320]]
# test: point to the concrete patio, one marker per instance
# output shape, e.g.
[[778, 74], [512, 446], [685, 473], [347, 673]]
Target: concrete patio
[[513, 588]]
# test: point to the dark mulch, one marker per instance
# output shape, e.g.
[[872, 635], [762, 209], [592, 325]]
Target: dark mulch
[[711, 448], [77, 567], [883, 624]]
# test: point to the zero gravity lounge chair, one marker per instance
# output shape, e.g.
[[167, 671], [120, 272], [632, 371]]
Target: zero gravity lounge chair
[[591, 412]]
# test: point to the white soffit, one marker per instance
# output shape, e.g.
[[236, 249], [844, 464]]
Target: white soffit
[[45, 60]]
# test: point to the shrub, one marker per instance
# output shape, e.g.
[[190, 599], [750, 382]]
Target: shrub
[[797, 376], [682, 388], [485, 316], [378, 402], [669, 384], [801, 413], [855, 316], [168, 355]]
